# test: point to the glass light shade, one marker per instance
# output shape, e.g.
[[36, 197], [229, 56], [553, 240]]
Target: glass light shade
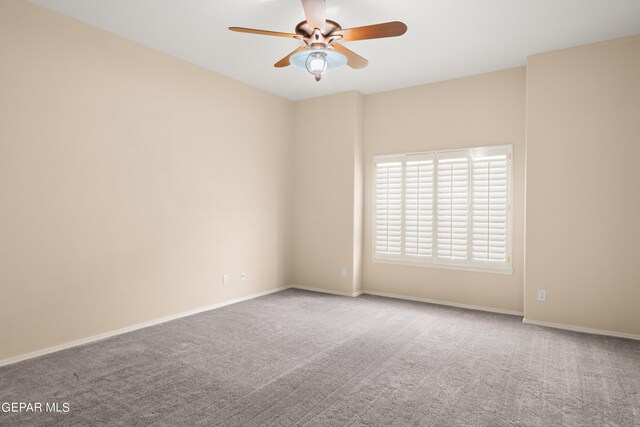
[[316, 63], [315, 59]]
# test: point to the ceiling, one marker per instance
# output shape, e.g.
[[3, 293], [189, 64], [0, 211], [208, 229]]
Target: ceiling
[[446, 38]]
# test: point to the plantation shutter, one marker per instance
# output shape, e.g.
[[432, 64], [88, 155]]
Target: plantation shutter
[[453, 205], [490, 199], [418, 226], [388, 208], [449, 208]]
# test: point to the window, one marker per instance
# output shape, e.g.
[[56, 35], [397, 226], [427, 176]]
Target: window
[[445, 208]]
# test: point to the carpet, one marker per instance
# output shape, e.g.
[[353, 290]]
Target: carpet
[[304, 358]]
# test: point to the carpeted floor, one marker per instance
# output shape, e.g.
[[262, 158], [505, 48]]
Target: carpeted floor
[[305, 358]]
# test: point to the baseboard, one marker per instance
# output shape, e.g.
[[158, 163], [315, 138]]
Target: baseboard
[[325, 291], [581, 329], [132, 328], [447, 303]]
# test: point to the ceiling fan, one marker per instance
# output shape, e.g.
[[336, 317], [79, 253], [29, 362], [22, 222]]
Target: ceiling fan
[[321, 52]]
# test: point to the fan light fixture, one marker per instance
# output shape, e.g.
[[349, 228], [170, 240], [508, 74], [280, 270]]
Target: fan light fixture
[[318, 60], [316, 64], [321, 51]]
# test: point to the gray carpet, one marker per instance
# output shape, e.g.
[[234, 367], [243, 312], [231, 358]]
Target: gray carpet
[[303, 358]]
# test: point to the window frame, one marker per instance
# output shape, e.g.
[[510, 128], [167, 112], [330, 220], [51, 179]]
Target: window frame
[[469, 264]]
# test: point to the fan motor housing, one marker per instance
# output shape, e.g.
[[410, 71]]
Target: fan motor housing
[[304, 29]]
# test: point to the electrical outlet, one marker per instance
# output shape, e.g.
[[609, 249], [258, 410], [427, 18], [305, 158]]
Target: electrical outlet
[[542, 295], [343, 273], [225, 279], [243, 275]]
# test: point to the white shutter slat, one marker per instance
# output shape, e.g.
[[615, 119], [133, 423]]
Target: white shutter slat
[[490, 189], [453, 206], [418, 233], [388, 208]]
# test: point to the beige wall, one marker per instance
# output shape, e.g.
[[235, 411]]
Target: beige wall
[[471, 112], [358, 194], [583, 186], [327, 201], [130, 182]]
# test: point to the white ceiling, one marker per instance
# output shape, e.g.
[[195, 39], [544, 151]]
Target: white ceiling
[[446, 38]]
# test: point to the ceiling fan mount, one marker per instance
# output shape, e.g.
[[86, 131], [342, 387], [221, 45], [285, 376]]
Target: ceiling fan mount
[[320, 51]]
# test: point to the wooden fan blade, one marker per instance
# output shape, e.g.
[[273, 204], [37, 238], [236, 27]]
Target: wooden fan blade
[[284, 62], [377, 31], [262, 32], [353, 59], [315, 11]]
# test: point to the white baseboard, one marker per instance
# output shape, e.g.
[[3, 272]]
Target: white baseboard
[[132, 328], [581, 329], [325, 291], [447, 303]]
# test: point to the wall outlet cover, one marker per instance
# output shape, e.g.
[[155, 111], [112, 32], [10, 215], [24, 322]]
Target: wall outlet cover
[[542, 295]]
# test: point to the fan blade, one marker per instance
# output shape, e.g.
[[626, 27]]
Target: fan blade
[[353, 59], [262, 32], [377, 31], [284, 62], [315, 12]]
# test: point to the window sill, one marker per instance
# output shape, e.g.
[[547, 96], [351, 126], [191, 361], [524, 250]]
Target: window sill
[[502, 271]]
